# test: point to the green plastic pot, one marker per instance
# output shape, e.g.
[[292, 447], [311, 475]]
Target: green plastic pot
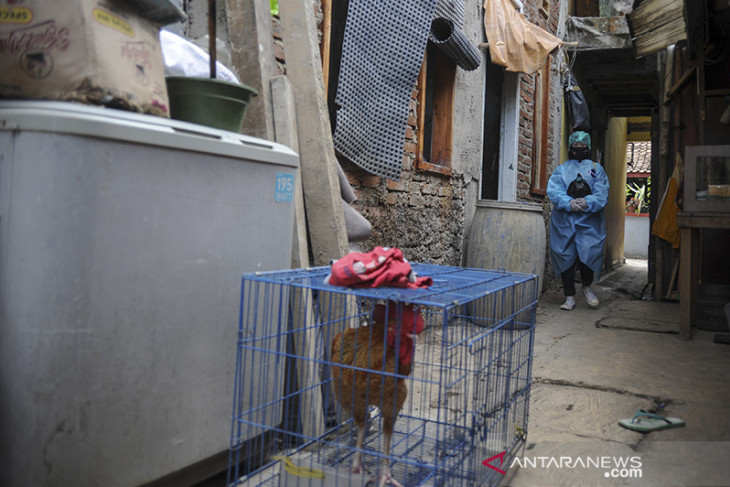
[[207, 101]]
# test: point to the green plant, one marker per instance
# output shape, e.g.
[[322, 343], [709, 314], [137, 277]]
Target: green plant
[[274, 7], [638, 196]]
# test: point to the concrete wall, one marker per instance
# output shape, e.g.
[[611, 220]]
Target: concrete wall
[[636, 237], [468, 124]]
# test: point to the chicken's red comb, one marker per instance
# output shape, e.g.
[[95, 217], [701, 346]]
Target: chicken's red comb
[[411, 319]]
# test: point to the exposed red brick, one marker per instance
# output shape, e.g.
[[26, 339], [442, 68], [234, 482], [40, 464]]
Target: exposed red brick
[[371, 181], [396, 185]]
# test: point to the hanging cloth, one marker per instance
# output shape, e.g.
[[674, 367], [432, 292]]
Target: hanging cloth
[[514, 42], [666, 226]]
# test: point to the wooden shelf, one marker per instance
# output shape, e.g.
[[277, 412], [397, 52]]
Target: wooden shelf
[[725, 91]]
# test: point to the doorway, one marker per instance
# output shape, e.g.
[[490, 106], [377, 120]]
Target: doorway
[[492, 130]]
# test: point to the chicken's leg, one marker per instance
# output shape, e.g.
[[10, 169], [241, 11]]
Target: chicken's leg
[[357, 466], [385, 477]]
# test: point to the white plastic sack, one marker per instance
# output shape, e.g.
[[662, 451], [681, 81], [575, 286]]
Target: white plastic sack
[[184, 58]]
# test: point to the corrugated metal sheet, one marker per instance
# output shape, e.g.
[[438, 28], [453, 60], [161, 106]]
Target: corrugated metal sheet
[[656, 24]]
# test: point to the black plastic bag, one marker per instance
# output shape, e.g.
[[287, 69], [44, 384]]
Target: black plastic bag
[[578, 111], [578, 188]]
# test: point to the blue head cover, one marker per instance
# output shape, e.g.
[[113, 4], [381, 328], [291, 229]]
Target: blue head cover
[[580, 136]]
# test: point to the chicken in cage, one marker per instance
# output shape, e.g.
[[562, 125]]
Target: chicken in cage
[[340, 386]]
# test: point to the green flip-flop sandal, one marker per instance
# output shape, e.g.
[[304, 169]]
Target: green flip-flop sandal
[[644, 422]]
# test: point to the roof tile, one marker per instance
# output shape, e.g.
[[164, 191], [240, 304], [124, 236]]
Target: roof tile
[[638, 157]]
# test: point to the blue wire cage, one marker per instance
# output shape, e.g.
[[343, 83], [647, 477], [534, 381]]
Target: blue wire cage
[[465, 415]]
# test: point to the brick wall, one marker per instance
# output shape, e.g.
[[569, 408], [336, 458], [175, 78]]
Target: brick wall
[[424, 213], [527, 110], [421, 214]]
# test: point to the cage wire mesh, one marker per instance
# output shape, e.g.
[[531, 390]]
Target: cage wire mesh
[[467, 382]]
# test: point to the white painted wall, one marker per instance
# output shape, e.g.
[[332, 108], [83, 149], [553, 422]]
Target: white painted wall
[[636, 237]]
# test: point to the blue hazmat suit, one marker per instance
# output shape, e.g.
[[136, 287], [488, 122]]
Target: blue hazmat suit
[[578, 234]]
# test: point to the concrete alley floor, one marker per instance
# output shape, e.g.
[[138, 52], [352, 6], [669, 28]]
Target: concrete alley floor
[[593, 367]]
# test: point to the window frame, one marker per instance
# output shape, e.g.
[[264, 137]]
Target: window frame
[[440, 158], [444, 88], [541, 130]]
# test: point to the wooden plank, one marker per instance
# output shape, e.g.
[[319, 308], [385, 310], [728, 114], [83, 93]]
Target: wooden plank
[[690, 73], [442, 97], [443, 110], [322, 200], [703, 220], [673, 279], [538, 119], [326, 50], [688, 274], [421, 114], [212, 37], [252, 53], [285, 132], [586, 8], [320, 180], [305, 336]]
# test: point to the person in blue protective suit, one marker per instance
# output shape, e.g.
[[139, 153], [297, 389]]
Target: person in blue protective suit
[[578, 189]]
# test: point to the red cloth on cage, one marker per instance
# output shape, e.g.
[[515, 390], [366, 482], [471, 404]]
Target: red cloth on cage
[[380, 267]]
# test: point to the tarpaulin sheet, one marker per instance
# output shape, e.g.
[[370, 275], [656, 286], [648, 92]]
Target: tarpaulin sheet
[[514, 42]]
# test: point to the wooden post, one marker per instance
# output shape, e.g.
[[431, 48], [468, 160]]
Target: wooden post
[[285, 133], [322, 197], [688, 275], [301, 300]]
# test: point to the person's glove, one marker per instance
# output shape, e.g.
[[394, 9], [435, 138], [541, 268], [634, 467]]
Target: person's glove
[[575, 205], [582, 203]]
